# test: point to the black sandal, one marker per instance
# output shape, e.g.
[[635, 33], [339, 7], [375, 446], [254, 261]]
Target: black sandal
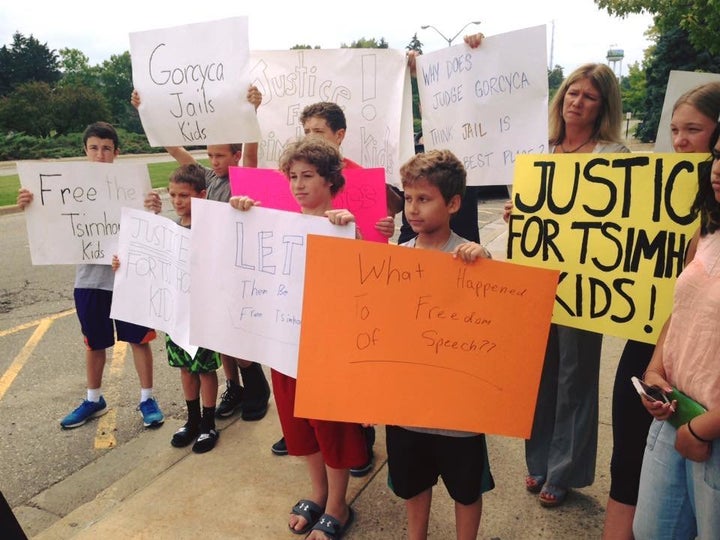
[[309, 511], [206, 441], [331, 527], [184, 436]]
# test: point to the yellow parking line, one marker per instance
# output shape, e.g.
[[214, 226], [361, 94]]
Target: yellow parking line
[[105, 433], [30, 324], [19, 362]]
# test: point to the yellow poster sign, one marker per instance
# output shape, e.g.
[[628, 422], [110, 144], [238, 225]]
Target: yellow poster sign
[[617, 226]]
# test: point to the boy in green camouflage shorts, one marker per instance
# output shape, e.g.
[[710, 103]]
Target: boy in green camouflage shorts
[[197, 373]]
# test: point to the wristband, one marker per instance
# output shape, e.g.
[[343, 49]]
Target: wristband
[[690, 429]]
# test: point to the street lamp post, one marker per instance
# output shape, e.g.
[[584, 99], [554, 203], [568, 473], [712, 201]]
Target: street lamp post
[[449, 40]]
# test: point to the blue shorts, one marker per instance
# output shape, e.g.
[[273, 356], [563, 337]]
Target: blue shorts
[[93, 311]]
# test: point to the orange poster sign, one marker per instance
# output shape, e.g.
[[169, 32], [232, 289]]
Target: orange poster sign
[[393, 335]]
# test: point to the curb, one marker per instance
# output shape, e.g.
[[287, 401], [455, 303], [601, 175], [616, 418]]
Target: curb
[[10, 209]]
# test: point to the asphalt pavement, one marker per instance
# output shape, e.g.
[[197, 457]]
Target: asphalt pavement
[[241, 490]]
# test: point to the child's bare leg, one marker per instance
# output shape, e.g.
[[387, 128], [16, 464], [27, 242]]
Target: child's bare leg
[[319, 482], [467, 519], [142, 356], [418, 515], [336, 506], [190, 384], [209, 388], [230, 368], [94, 366], [337, 490]]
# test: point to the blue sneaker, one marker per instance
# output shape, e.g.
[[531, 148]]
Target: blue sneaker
[[151, 413], [86, 411]]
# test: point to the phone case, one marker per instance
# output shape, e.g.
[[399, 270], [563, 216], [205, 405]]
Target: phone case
[[687, 408]]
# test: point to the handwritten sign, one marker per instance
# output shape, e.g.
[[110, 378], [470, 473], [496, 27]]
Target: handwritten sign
[[248, 270], [193, 82], [395, 325], [488, 104], [75, 214], [363, 194], [617, 227], [679, 82], [152, 285], [372, 86]]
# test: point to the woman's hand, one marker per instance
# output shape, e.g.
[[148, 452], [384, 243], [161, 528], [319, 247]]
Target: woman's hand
[[659, 409], [115, 263], [243, 203], [690, 447]]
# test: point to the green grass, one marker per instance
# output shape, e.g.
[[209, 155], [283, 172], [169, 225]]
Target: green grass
[[159, 174], [9, 186]]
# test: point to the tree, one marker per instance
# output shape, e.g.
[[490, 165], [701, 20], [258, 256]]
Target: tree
[[363, 43], [555, 79], [74, 107], [671, 52], [76, 69], [116, 85], [415, 44], [28, 109], [296, 47], [26, 60], [633, 89], [699, 19]]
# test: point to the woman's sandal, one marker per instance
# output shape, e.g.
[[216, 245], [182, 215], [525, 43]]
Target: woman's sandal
[[552, 496], [534, 482], [309, 511]]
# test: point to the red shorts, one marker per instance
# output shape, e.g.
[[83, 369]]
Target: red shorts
[[342, 444]]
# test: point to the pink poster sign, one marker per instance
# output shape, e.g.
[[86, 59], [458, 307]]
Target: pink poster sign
[[364, 194]]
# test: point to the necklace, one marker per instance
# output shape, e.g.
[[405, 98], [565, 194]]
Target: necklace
[[562, 147]]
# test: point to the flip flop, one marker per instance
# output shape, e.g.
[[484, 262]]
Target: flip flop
[[309, 511], [552, 496], [534, 482], [331, 527]]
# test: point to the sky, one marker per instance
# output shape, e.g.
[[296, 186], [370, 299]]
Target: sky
[[577, 30]]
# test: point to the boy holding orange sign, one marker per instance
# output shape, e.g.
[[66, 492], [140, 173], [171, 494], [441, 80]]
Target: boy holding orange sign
[[434, 183]]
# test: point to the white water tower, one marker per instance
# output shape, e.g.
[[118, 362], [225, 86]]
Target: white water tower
[[614, 59]]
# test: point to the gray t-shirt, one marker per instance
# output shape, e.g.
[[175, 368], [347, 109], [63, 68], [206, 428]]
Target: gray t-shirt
[[94, 276], [454, 241], [218, 187]]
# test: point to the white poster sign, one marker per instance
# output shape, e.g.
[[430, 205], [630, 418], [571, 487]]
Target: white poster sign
[[248, 273], [372, 86], [75, 214], [679, 82], [193, 82], [488, 104], [152, 285]]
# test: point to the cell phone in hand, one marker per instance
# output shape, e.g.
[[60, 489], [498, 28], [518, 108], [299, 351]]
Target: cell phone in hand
[[652, 393]]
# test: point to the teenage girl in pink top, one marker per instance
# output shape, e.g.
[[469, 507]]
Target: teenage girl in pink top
[[680, 479]]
